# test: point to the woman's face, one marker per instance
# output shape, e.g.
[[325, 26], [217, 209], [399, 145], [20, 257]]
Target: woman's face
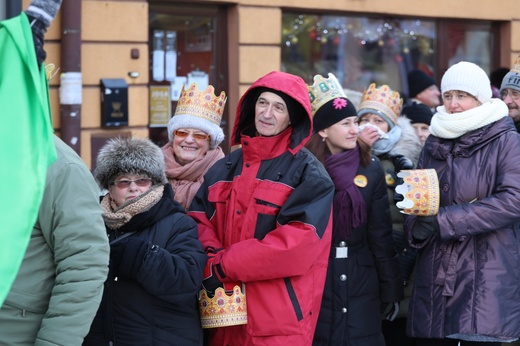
[[128, 186], [341, 136], [456, 101], [189, 144], [375, 120]]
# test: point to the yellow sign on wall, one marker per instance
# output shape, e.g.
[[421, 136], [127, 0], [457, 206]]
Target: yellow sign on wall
[[160, 105]]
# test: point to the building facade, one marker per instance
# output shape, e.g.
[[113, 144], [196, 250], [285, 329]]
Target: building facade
[[149, 49]]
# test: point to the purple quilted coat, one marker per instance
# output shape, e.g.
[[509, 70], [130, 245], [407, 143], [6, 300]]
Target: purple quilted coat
[[467, 282]]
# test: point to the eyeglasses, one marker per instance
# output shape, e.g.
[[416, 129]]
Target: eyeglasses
[[123, 184], [197, 136], [513, 94]]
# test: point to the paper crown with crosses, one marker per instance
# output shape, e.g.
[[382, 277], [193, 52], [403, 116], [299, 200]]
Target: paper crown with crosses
[[223, 310], [420, 191], [324, 90], [201, 110], [329, 102], [382, 101]]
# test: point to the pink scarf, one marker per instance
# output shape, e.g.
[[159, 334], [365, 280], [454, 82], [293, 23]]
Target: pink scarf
[[186, 180]]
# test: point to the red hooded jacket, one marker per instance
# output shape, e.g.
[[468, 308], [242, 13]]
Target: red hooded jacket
[[268, 206]]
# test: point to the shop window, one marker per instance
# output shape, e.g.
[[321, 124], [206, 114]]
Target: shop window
[[362, 50], [187, 45]]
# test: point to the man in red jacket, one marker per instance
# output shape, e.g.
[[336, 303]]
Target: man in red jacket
[[264, 217]]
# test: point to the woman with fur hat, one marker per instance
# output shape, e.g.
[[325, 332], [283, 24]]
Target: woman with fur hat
[[363, 272], [398, 147], [467, 276], [156, 260], [195, 134]]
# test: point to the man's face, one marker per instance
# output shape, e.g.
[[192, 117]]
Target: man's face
[[271, 114], [430, 96], [512, 99]]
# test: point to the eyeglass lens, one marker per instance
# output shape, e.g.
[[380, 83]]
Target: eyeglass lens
[[197, 136], [513, 94], [123, 184]]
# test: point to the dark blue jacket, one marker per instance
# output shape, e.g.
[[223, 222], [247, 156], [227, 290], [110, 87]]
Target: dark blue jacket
[[159, 307]]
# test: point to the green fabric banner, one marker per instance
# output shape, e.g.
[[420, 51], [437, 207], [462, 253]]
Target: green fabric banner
[[26, 143]]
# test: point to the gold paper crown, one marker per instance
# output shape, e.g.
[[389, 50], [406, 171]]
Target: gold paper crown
[[324, 90], [382, 99], [223, 310], [203, 104], [516, 66], [420, 190]]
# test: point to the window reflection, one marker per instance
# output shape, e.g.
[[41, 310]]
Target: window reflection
[[358, 50]]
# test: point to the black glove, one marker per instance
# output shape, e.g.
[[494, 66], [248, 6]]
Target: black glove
[[211, 281], [127, 255], [424, 227], [401, 162]]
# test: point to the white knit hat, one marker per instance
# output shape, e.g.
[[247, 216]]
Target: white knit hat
[[468, 77]]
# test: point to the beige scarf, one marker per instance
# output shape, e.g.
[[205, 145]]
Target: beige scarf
[[186, 180], [449, 126], [115, 217]]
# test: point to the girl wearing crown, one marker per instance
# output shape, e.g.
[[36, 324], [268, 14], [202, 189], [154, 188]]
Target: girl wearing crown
[[195, 134], [363, 273], [397, 145]]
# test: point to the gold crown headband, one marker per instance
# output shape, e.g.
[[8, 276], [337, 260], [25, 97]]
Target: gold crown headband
[[324, 90], [516, 66], [383, 99], [203, 104]]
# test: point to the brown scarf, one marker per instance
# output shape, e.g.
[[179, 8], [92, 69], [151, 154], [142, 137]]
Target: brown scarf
[[115, 217], [186, 180]]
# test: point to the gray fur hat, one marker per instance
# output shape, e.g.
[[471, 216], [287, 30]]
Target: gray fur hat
[[130, 155]]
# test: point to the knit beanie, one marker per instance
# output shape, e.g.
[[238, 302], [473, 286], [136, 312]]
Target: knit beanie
[[468, 77], [381, 101], [329, 104], [418, 81], [512, 78], [418, 113], [129, 156], [43, 10], [200, 110]]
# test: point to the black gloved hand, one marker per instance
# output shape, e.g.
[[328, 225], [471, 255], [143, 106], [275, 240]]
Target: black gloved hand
[[401, 162], [424, 227], [127, 255], [211, 281]]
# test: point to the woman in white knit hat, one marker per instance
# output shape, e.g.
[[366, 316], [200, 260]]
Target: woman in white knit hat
[[467, 279], [195, 134]]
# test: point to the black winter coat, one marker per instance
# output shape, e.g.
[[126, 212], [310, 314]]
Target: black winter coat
[[159, 306], [355, 287]]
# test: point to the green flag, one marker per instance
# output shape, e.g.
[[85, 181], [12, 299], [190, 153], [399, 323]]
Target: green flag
[[26, 144]]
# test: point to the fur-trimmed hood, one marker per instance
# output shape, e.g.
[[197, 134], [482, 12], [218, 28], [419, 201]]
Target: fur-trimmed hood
[[129, 156], [409, 144]]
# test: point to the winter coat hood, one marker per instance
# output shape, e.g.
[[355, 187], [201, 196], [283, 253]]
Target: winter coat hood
[[292, 88]]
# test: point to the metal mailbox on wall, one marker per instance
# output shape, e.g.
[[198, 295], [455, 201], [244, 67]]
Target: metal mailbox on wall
[[114, 102]]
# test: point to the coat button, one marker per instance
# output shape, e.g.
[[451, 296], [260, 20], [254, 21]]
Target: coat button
[[344, 310], [343, 277], [247, 165], [342, 244], [446, 187], [239, 212]]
